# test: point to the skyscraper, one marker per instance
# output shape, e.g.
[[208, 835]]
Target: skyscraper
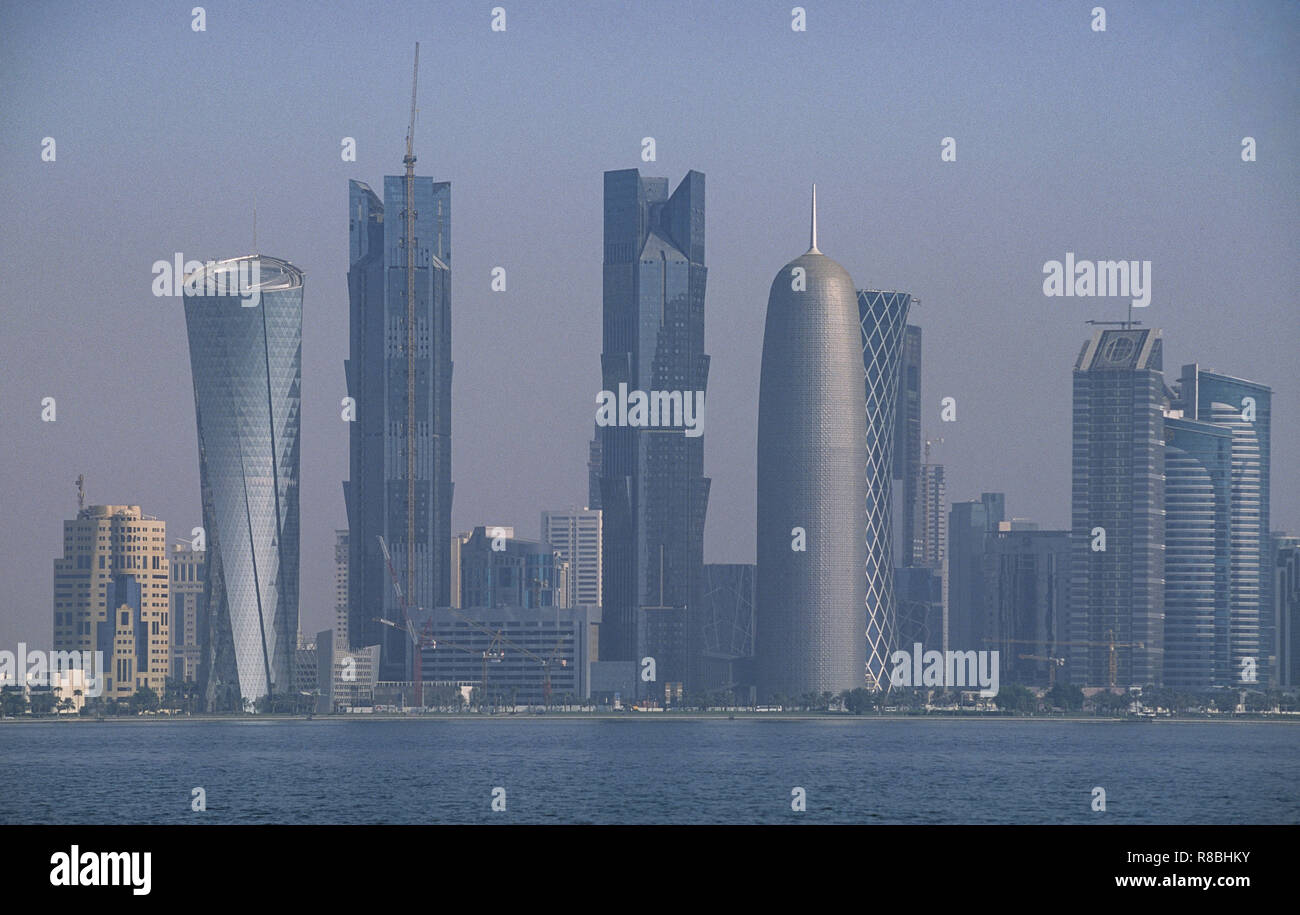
[[1117, 507], [376, 493], [882, 317], [970, 615], [342, 551], [188, 582], [246, 364], [1198, 464], [811, 611], [907, 446], [1286, 609], [1244, 408], [1026, 585], [653, 492], [576, 536], [111, 595], [728, 631]]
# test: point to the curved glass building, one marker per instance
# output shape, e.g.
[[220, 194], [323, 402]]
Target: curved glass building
[[246, 362], [812, 460]]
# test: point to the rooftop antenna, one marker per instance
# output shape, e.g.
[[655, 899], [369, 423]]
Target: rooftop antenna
[[81, 491], [409, 242], [255, 224], [813, 234]]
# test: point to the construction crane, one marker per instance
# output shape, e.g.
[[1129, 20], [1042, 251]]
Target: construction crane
[[1124, 324], [1051, 671], [409, 243], [81, 491], [1109, 644]]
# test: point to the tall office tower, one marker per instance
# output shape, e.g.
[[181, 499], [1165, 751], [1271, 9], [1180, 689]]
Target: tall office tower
[[919, 592], [377, 491], [576, 536], [970, 524], [1286, 604], [728, 644], [907, 447], [882, 317], [458, 542], [246, 364], [930, 548], [593, 473], [499, 570], [111, 595], [1245, 408], [1198, 465], [1117, 501], [188, 606], [932, 517], [653, 491], [811, 608], [342, 550], [1026, 586]]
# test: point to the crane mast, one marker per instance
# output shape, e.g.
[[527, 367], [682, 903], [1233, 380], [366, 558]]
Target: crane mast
[[409, 214]]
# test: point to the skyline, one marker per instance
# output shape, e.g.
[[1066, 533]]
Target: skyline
[[972, 280]]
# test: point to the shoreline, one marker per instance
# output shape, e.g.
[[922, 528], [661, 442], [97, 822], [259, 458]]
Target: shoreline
[[646, 716]]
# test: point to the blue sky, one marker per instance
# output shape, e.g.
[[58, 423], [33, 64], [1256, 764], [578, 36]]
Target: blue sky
[[1119, 144]]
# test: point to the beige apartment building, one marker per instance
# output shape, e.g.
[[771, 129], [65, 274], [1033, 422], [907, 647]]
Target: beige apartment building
[[111, 594]]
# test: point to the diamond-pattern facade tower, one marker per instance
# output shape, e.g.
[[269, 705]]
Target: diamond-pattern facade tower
[[882, 317], [246, 362]]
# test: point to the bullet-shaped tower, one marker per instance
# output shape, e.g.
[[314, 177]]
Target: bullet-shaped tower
[[812, 464]]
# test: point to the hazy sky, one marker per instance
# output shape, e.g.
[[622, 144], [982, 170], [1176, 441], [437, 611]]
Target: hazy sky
[[1123, 144]]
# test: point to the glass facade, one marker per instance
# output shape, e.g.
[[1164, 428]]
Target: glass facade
[[882, 318], [653, 491], [1118, 473], [907, 449], [1198, 461], [246, 364], [376, 493], [1244, 408]]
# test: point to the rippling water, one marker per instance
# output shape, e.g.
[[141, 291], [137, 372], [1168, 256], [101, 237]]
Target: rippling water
[[858, 770]]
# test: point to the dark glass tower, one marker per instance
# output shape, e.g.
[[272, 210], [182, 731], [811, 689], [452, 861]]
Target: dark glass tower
[[376, 491], [653, 491], [1118, 471], [907, 448], [246, 363], [811, 611]]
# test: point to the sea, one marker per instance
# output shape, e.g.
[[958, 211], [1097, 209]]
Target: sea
[[650, 770]]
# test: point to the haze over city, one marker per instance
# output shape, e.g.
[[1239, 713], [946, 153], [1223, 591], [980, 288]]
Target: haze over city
[[1117, 145]]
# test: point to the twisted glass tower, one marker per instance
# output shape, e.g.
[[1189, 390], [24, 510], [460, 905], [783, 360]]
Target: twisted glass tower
[[246, 362], [882, 318], [812, 483]]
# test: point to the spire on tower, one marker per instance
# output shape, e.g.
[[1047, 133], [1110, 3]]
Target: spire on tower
[[813, 239]]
